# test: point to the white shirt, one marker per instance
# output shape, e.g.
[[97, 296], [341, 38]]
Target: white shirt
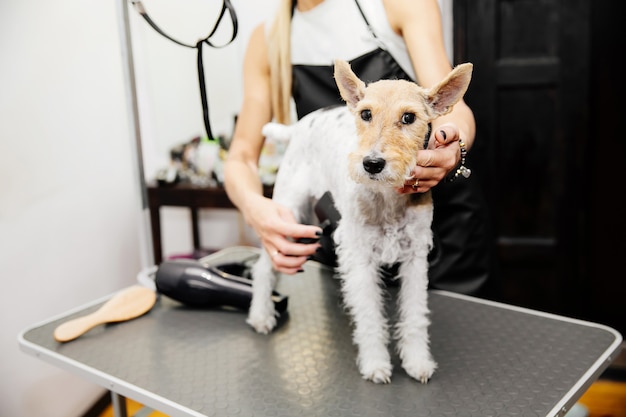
[[335, 29]]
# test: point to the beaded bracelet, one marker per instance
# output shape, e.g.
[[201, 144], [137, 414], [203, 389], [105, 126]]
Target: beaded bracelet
[[462, 169]]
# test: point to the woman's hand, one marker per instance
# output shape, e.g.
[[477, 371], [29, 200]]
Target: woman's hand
[[278, 230], [434, 164]]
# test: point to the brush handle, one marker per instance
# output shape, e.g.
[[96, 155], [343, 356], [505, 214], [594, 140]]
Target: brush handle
[[74, 328], [125, 305]]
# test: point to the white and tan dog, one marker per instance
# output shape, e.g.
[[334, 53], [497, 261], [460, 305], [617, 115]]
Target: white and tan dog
[[363, 153]]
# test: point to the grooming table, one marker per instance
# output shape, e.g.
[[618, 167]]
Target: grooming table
[[494, 359]]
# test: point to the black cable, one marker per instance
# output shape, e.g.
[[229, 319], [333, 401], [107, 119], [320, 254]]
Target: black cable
[[226, 6]]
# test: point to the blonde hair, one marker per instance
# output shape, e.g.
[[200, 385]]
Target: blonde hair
[[279, 56]]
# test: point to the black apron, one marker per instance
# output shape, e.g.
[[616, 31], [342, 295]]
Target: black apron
[[461, 258]]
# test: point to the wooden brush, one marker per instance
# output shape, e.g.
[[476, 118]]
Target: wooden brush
[[127, 304]]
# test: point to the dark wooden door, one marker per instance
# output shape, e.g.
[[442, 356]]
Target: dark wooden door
[[549, 98], [604, 189], [530, 96]]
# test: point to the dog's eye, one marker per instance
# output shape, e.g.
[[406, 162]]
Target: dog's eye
[[366, 115], [407, 118]]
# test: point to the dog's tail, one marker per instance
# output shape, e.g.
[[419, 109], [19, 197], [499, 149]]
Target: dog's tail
[[277, 132]]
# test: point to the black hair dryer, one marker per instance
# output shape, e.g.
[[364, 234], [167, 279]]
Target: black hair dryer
[[197, 285]]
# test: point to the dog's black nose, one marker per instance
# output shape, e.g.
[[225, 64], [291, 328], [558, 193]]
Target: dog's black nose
[[373, 165]]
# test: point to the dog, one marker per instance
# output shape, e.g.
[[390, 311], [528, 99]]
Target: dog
[[363, 153]]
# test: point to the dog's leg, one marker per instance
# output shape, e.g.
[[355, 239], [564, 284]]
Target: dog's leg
[[412, 326], [262, 314], [363, 295]]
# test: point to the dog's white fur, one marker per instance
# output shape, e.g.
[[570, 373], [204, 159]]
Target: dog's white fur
[[379, 226]]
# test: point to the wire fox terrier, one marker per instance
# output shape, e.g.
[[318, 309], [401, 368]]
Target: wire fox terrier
[[363, 153]]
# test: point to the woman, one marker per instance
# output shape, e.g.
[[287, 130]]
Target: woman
[[293, 58]]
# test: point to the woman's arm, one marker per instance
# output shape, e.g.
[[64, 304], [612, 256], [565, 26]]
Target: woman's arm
[[242, 180], [274, 224], [419, 23]]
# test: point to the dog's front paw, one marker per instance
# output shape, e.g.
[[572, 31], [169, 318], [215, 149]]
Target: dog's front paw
[[262, 322], [378, 372], [420, 368]]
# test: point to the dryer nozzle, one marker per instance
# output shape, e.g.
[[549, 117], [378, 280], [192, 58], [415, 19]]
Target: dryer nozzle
[[198, 285]]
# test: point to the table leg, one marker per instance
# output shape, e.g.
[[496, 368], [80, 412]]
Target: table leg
[[195, 228], [119, 405], [155, 223]]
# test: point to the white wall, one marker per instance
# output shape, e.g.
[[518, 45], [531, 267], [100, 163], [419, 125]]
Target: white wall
[[71, 223], [69, 211]]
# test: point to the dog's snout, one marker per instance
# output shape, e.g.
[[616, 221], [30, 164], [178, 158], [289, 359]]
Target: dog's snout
[[373, 165]]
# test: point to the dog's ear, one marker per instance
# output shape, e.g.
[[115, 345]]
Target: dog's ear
[[350, 86], [452, 89]]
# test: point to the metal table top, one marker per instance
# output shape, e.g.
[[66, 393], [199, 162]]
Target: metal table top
[[494, 359]]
